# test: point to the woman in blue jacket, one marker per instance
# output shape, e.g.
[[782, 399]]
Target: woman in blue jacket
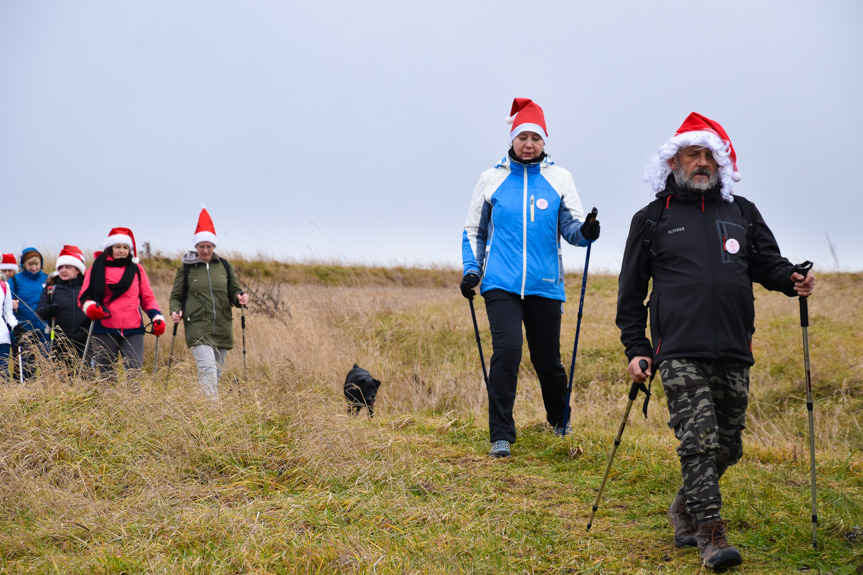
[[27, 286], [511, 243]]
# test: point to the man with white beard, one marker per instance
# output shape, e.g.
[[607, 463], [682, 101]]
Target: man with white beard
[[703, 247]]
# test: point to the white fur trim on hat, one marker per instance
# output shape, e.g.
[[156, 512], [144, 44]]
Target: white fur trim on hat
[[528, 128], [204, 237], [121, 240], [71, 261], [658, 169]]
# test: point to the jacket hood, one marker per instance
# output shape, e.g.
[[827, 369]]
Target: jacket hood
[[32, 250], [191, 257]]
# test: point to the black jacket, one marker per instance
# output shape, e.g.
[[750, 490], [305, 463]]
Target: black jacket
[[701, 303], [70, 319]]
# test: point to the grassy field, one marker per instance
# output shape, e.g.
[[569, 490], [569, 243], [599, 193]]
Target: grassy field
[[276, 478]]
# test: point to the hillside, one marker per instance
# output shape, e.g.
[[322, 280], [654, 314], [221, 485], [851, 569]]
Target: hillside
[[277, 478]]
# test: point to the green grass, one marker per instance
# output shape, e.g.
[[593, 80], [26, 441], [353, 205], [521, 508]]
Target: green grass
[[416, 496]]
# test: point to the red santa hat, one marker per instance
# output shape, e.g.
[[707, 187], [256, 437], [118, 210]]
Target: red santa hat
[[71, 256], [526, 116], [122, 237], [703, 132], [9, 262], [206, 231]]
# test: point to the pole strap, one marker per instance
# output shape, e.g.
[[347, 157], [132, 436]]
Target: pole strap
[[636, 387]]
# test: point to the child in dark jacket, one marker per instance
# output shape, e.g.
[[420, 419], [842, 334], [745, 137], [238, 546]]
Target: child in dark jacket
[[27, 286], [59, 306]]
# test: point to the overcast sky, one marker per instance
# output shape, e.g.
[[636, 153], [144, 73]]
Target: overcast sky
[[355, 131]]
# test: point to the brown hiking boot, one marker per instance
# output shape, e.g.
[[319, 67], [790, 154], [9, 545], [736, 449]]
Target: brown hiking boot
[[713, 547], [681, 520]]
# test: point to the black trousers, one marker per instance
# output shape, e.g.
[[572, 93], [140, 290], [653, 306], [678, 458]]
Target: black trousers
[[541, 318]]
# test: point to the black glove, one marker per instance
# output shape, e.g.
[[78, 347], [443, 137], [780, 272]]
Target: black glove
[[468, 282], [18, 331], [590, 230], [53, 309]]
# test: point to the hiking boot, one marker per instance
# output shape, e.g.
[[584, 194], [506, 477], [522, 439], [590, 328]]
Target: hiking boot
[[681, 520], [560, 431], [500, 448], [713, 547]]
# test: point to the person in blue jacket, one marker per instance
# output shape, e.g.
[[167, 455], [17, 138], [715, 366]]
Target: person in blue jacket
[[27, 286], [511, 244]]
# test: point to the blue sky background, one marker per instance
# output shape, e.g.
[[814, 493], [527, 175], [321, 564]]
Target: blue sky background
[[356, 131]]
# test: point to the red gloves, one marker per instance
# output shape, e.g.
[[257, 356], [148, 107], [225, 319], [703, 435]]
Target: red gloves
[[94, 311], [158, 325]]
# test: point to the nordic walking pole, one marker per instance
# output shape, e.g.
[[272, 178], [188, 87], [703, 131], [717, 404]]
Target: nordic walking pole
[[171, 354], [590, 217], [478, 342], [53, 323], [84, 356], [243, 326], [633, 393], [802, 269], [156, 356], [20, 365]]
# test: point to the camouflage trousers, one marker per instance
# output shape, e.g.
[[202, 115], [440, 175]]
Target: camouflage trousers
[[707, 401]]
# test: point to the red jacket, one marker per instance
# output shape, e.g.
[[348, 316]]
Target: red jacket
[[125, 310]]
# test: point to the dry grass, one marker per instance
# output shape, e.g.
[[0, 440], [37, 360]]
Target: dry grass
[[276, 478]]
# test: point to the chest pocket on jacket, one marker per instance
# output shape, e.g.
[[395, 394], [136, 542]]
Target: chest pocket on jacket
[[733, 242]]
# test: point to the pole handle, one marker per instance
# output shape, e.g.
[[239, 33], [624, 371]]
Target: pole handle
[[803, 269], [804, 312], [636, 387], [591, 216]]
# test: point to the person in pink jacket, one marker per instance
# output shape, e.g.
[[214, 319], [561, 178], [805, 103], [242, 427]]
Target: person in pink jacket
[[115, 290]]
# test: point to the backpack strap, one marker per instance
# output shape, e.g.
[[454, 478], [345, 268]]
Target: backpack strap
[[229, 271], [186, 268], [654, 214], [227, 265], [748, 214]]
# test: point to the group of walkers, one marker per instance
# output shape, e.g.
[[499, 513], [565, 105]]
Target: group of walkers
[[699, 244], [81, 316]]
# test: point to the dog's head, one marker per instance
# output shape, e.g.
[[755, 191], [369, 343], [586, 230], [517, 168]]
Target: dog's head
[[368, 388]]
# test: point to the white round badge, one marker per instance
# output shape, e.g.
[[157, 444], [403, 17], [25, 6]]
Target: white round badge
[[732, 246], [542, 203]]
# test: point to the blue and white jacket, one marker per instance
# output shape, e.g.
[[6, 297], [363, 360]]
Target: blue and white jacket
[[516, 218]]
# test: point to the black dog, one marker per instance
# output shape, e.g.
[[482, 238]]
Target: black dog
[[360, 390]]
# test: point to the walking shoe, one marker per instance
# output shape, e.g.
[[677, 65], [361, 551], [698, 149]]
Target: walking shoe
[[681, 520], [559, 430], [500, 448], [713, 547]]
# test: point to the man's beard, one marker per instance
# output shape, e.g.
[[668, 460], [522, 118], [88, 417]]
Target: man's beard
[[687, 181]]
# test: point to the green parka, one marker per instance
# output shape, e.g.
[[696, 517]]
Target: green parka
[[213, 289]]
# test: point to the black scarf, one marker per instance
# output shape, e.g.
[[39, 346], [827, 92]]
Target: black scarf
[[96, 290]]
